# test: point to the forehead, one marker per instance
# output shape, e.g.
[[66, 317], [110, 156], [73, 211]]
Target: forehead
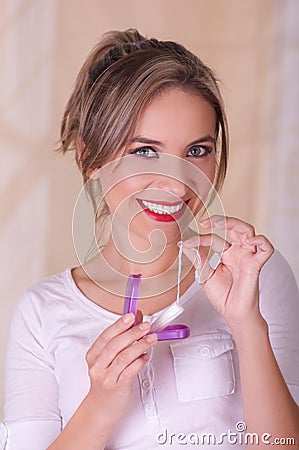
[[177, 111]]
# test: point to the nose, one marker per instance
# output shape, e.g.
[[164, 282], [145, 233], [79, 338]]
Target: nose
[[171, 185]]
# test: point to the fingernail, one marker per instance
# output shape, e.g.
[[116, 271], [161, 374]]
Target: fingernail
[[151, 337], [219, 223], [190, 242], [144, 326], [204, 220], [127, 318], [215, 260], [206, 223]]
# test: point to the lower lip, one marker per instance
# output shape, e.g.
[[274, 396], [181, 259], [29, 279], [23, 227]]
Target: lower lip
[[164, 217]]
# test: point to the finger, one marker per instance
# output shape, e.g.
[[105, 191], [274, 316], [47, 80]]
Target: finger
[[209, 222], [132, 370], [216, 242], [229, 223], [122, 324], [129, 355], [120, 342], [190, 254], [264, 248]]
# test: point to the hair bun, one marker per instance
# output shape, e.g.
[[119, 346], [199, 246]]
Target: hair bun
[[115, 54]]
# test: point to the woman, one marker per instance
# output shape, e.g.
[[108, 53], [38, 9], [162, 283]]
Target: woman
[[148, 126]]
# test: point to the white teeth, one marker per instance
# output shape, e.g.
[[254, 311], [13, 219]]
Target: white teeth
[[162, 209]]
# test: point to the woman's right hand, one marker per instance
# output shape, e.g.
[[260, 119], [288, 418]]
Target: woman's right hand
[[114, 360]]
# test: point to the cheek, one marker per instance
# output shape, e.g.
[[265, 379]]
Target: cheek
[[211, 172], [208, 168], [123, 191]]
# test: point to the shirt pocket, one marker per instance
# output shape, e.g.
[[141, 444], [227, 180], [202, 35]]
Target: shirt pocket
[[203, 366]]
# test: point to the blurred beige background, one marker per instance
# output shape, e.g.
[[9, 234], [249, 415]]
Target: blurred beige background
[[253, 45]]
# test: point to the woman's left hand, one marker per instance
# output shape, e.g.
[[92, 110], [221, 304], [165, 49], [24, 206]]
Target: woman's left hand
[[233, 286]]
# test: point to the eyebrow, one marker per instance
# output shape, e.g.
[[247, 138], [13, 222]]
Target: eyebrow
[[145, 140]]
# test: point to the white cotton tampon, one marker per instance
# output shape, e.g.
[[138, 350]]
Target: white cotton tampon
[[167, 316], [176, 308]]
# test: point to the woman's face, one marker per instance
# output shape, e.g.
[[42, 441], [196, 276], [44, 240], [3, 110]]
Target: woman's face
[[173, 141]]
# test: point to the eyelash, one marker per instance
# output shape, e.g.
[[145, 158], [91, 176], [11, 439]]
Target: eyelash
[[207, 150], [138, 149]]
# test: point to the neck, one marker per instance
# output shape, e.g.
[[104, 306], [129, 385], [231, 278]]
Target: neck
[[151, 262], [110, 269]]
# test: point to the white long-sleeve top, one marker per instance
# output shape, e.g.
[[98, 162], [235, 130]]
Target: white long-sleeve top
[[190, 386]]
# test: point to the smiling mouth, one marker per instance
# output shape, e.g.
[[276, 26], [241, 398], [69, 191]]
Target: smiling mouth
[[159, 208], [163, 211]]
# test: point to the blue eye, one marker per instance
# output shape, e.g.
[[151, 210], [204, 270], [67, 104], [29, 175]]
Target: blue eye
[[199, 151], [146, 152]]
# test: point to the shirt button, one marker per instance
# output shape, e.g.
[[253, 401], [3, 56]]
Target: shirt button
[[146, 384], [205, 350]]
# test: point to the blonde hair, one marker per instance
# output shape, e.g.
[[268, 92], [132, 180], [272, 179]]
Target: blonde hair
[[120, 77]]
